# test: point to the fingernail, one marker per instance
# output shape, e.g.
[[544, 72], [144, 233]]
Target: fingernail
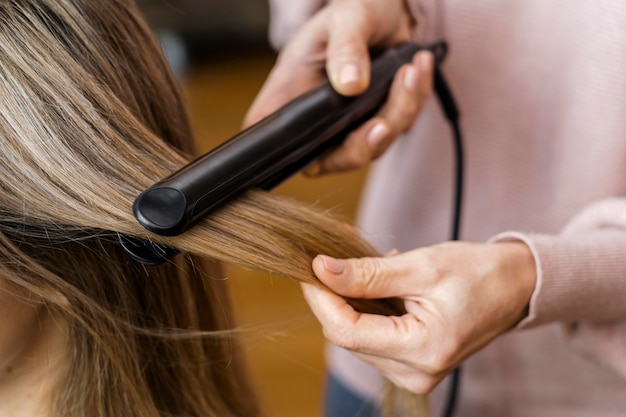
[[410, 78], [426, 61], [349, 74], [332, 265], [377, 135]]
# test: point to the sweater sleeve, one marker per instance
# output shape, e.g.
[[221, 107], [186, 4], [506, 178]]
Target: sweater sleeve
[[286, 17], [581, 280]]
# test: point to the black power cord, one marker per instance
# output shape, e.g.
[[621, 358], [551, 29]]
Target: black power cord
[[452, 114]]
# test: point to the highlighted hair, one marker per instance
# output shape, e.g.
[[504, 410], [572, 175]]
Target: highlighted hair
[[90, 115]]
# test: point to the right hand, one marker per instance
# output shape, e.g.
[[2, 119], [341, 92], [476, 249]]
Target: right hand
[[337, 39], [458, 297]]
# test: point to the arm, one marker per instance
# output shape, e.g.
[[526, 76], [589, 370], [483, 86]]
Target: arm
[[460, 296], [581, 280]]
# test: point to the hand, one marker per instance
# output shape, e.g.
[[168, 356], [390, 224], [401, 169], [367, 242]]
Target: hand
[[338, 38], [458, 297]]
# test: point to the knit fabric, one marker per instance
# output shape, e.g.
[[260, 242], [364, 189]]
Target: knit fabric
[[542, 91]]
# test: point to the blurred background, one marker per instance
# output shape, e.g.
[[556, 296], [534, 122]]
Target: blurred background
[[220, 51]]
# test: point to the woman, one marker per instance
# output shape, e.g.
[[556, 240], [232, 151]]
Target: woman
[[541, 89]]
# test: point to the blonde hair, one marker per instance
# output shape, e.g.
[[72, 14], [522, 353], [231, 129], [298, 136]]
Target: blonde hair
[[90, 116]]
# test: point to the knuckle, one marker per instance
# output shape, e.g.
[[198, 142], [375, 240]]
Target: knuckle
[[359, 15], [443, 360], [369, 18], [287, 56], [423, 94], [401, 115], [428, 263], [355, 156], [340, 337], [379, 151], [406, 122], [425, 87], [437, 363], [339, 52], [369, 272], [345, 45], [410, 110]]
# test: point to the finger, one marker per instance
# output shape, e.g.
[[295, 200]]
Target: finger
[[358, 149], [348, 63], [287, 80], [388, 336], [401, 276], [397, 346], [402, 374], [299, 68], [409, 91]]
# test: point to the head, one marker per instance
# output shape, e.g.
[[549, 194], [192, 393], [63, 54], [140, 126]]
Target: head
[[86, 102], [90, 116]]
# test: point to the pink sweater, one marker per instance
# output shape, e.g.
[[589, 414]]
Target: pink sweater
[[542, 90]]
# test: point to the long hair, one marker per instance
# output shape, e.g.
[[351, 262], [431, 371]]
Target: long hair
[[90, 115]]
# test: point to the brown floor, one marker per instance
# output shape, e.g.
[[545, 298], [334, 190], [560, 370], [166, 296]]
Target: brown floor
[[284, 344]]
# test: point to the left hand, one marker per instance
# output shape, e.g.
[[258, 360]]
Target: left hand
[[458, 296], [335, 43]]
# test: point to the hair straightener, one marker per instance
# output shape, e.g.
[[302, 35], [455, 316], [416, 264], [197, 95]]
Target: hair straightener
[[277, 147], [267, 153]]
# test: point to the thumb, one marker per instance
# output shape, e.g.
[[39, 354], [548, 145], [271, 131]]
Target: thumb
[[368, 278], [347, 56]]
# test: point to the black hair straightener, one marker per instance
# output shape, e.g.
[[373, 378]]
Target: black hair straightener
[[267, 153], [277, 147]]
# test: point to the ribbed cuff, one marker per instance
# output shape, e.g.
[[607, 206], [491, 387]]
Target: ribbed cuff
[[579, 277]]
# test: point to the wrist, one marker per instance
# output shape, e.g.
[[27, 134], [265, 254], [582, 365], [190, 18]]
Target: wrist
[[518, 269]]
